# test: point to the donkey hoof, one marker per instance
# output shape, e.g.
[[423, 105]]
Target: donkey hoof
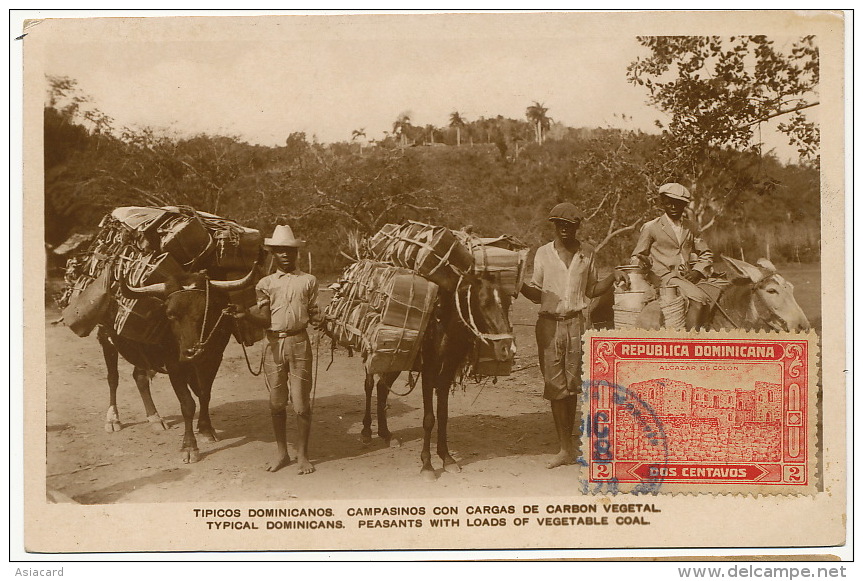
[[394, 443], [157, 423], [113, 426], [209, 435], [452, 468], [428, 475], [365, 438], [190, 455]]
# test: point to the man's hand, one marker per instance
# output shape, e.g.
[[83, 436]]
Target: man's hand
[[239, 312], [620, 279]]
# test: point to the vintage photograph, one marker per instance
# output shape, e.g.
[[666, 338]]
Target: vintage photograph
[[371, 281]]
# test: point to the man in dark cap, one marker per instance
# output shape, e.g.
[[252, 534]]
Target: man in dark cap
[[564, 281]]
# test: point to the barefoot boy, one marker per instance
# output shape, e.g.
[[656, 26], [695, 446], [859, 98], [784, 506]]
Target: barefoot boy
[[564, 281], [286, 305]]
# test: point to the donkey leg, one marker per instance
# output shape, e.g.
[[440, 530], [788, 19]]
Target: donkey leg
[[427, 471], [112, 417], [449, 463], [142, 380], [368, 386], [385, 382], [179, 381], [204, 388]]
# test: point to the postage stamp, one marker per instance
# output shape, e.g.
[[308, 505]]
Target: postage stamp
[[706, 412]]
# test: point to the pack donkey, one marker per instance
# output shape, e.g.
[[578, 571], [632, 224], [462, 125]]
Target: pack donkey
[[476, 311]]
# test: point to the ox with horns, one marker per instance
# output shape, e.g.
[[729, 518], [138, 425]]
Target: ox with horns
[[190, 351], [476, 311]]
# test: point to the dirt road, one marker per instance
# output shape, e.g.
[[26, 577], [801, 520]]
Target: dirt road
[[502, 434]]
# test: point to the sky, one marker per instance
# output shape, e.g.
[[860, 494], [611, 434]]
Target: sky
[[262, 79]]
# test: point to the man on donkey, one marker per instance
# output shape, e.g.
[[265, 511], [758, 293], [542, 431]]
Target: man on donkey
[[287, 304], [670, 249], [564, 280]]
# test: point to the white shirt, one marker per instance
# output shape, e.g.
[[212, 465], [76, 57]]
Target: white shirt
[[563, 288]]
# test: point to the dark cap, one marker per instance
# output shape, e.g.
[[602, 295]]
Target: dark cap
[[565, 211]]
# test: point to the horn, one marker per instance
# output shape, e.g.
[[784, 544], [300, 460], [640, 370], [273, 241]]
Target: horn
[[745, 269], [154, 290], [232, 285]]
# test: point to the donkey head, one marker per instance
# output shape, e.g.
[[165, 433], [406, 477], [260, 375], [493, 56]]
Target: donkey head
[[771, 300], [484, 309]]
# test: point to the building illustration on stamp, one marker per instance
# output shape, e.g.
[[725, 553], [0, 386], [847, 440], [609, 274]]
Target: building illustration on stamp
[[703, 424]]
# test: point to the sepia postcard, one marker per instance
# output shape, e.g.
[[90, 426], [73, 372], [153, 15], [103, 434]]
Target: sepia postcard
[[425, 281]]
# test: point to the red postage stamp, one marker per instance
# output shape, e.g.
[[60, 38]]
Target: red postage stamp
[[700, 412]]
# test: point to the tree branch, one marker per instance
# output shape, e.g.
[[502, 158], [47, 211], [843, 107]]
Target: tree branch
[[778, 113]]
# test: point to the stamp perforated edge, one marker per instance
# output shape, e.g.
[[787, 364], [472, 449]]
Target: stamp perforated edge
[[694, 489]]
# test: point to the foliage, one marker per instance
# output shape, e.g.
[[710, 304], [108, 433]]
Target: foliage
[[334, 193], [717, 90]]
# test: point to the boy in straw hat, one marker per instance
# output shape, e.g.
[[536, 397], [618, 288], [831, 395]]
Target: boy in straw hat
[[666, 247], [564, 281], [287, 303]]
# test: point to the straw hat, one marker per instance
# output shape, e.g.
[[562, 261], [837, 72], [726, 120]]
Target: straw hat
[[284, 236]]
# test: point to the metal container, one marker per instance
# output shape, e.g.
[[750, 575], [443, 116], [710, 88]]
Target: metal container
[[637, 278], [630, 300], [668, 293]]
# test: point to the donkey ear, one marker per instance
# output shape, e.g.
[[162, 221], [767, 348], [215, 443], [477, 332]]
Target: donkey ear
[[766, 264], [744, 269]]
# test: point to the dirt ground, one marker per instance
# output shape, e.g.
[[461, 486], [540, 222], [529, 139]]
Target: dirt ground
[[502, 434]]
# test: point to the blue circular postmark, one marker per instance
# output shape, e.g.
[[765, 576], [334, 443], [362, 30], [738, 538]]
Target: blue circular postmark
[[603, 404]]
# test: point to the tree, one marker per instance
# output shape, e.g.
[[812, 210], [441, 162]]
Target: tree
[[456, 120], [536, 114], [401, 126], [718, 90], [358, 133]]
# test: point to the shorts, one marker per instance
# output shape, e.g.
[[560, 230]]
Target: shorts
[[288, 371], [559, 345]]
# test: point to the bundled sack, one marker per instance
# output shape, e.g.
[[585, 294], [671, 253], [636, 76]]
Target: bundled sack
[[432, 251], [504, 258], [193, 238], [382, 311], [87, 303], [142, 319]]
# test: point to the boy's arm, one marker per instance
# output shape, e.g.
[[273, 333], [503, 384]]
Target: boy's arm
[[532, 291], [259, 313], [596, 287], [316, 319], [641, 252]]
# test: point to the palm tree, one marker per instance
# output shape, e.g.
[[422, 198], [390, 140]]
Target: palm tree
[[536, 114], [456, 120], [356, 134], [431, 129], [401, 126]]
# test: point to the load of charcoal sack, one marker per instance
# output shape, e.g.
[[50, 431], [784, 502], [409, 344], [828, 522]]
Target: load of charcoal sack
[[148, 245], [385, 299]]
